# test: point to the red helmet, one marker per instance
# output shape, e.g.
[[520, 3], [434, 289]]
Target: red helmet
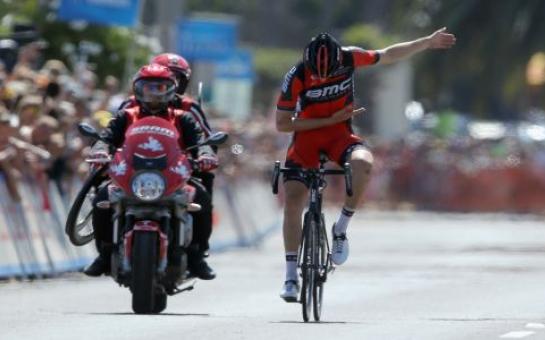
[[178, 65], [154, 87]]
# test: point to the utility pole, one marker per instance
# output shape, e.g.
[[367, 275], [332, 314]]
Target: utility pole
[[168, 13]]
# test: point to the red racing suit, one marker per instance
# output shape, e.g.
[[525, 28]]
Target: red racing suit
[[309, 97]]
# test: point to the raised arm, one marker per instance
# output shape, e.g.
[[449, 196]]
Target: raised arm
[[440, 39]]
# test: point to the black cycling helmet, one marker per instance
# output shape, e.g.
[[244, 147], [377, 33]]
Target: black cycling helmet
[[323, 55]]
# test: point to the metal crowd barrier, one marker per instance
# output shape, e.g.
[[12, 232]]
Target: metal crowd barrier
[[33, 243]]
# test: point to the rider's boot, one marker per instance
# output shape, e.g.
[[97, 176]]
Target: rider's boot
[[101, 265], [197, 265]]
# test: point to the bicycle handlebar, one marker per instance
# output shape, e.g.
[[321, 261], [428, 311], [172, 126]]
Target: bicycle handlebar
[[346, 171]]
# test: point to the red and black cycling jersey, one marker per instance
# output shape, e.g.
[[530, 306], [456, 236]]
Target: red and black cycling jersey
[[310, 97]]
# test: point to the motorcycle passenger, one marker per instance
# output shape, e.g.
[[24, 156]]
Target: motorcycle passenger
[[154, 88]]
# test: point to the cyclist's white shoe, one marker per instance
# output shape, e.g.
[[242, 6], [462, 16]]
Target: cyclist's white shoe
[[340, 249], [290, 291]]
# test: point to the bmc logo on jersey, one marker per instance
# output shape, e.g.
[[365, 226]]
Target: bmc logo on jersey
[[329, 92]]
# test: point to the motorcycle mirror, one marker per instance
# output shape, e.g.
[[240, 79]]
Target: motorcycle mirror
[[217, 138], [88, 131]]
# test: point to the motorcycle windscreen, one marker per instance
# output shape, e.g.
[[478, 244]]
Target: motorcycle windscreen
[[151, 143], [151, 138]]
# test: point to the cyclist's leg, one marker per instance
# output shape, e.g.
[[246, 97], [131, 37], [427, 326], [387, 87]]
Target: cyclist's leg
[[352, 149], [361, 160], [301, 154], [296, 193], [296, 196]]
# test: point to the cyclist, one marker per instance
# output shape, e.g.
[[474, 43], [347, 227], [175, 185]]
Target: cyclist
[[154, 87], [316, 105]]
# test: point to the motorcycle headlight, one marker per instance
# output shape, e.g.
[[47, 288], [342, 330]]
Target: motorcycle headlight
[[148, 186]]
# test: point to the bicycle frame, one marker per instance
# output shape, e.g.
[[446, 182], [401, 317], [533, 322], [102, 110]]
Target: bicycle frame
[[314, 256]]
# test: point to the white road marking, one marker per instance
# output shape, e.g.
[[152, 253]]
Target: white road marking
[[517, 334], [534, 325]]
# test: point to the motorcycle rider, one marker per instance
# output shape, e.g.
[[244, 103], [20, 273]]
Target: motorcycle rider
[[154, 88], [182, 71]]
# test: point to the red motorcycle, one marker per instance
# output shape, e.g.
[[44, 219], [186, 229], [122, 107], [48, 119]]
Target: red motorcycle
[[151, 201]]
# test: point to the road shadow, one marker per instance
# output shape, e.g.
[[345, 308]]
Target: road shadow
[[476, 319], [317, 323], [133, 314]]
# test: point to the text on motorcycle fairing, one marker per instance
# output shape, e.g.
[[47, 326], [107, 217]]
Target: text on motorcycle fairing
[[152, 129]]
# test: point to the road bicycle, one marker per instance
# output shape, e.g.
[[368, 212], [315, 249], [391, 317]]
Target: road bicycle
[[314, 255]]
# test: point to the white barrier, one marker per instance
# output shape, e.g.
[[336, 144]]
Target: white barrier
[[33, 242], [245, 212], [10, 264]]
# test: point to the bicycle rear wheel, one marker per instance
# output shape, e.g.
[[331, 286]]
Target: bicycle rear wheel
[[78, 225], [307, 270], [320, 265]]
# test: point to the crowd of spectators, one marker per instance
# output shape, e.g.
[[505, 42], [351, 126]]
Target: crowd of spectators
[[41, 102], [462, 173], [421, 171]]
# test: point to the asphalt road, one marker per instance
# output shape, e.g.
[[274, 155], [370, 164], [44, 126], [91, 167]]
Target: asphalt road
[[409, 276]]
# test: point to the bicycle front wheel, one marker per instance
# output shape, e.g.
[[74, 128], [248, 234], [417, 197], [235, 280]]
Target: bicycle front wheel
[[320, 261], [307, 265]]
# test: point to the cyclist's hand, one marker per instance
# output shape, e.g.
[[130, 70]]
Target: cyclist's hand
[[345, 114], [442, 39]]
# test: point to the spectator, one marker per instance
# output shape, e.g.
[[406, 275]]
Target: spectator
[[27, 60], [28, 111], [8, 154]]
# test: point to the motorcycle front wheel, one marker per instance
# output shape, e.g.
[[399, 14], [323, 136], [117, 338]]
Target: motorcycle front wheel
[[144, 267]]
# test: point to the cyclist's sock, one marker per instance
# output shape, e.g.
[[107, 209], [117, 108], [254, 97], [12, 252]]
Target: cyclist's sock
[[291, 265], [342, 222]]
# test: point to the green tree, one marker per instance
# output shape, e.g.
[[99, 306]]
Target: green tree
[[484, 73], [115, 42]]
